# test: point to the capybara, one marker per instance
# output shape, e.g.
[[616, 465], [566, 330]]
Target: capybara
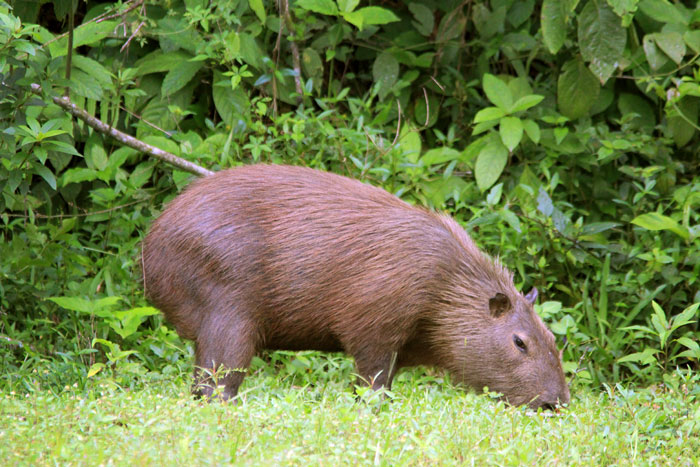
[[282, 257]]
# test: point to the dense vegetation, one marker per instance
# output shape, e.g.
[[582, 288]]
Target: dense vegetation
[[563, 135]]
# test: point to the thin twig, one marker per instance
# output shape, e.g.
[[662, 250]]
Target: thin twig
[[90, 213], [284, 6]]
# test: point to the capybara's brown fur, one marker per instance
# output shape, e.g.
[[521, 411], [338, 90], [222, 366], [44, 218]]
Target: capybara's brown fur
[[281, 257]]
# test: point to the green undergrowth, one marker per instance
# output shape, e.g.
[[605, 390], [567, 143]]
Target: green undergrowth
[[284, 418]]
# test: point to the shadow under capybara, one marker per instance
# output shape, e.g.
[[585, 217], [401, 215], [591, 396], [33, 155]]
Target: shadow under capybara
[[281, 257]]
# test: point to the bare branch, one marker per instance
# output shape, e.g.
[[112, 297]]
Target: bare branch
[[66, 104]]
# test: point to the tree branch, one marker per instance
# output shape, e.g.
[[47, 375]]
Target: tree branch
[[66, 104]]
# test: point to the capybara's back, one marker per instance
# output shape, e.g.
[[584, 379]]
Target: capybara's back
[[281, 257]]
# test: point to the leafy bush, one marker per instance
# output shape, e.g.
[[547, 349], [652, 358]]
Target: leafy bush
[[562, 134]]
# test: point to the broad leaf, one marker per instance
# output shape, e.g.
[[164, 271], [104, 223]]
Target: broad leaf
[[553, 24], [629, 103], [511, 131], [497, 92], [647, 357], [178, 77], [385, 72], [324, 7], [577, 89], [655, 57], [424, 19], [601, 38], [532, 130], [682, 121], [410, 143], [158, 62], [439, 156], [490, 164], [525, 103], [259, 9], [655, 221], [85, 34], [662, 11], [488, 114], [370, 15], [672, 44]]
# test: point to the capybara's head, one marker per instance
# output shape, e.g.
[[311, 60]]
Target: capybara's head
[[512, 353]]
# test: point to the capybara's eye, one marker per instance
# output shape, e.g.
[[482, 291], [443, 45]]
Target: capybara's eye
[[519, 343]]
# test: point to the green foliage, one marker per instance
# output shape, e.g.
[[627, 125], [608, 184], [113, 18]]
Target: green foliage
[[276, 422], [563, 135]]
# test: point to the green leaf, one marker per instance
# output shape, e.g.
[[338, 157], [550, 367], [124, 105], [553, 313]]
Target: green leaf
[[532, 130], [348, 5], [73, 303], [311, 63], [520, 12], [490, 164], [179, 76], [61, 146], [140, 175], [85, 85], [85, 34], [94, 68], [259, 9], [511, 130], [655, 57], [324, 7], [685, 317], [251, 52], [95, 154], [424, 19], [577, 89], [128, 321], [647, 357], [370, 15], [46, 174], [682, 128], [488, 114], [439, 156], [78, 175], [159, 62], [553, 23], [601, 38], [230, 104], [662, 11], [629, 103], [525, 103], [672, 44], [385, 72], [410, 143], [689, 343], [497, 92], [598, 227], [692, 38], [655, 221], [660, 323]]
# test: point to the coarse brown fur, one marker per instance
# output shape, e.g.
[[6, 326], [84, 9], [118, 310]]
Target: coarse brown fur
[[281, 257]]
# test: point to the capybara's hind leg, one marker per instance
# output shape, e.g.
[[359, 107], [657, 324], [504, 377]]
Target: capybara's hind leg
[[224, 349], [377, 367]]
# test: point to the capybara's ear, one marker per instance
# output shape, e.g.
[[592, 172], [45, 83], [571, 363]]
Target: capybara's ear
[[499, 304], [531, 296]]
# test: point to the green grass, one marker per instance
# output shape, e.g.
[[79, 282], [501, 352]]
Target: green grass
[[425, 421]]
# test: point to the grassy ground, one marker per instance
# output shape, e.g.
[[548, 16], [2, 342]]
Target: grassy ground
[[426, 421]]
